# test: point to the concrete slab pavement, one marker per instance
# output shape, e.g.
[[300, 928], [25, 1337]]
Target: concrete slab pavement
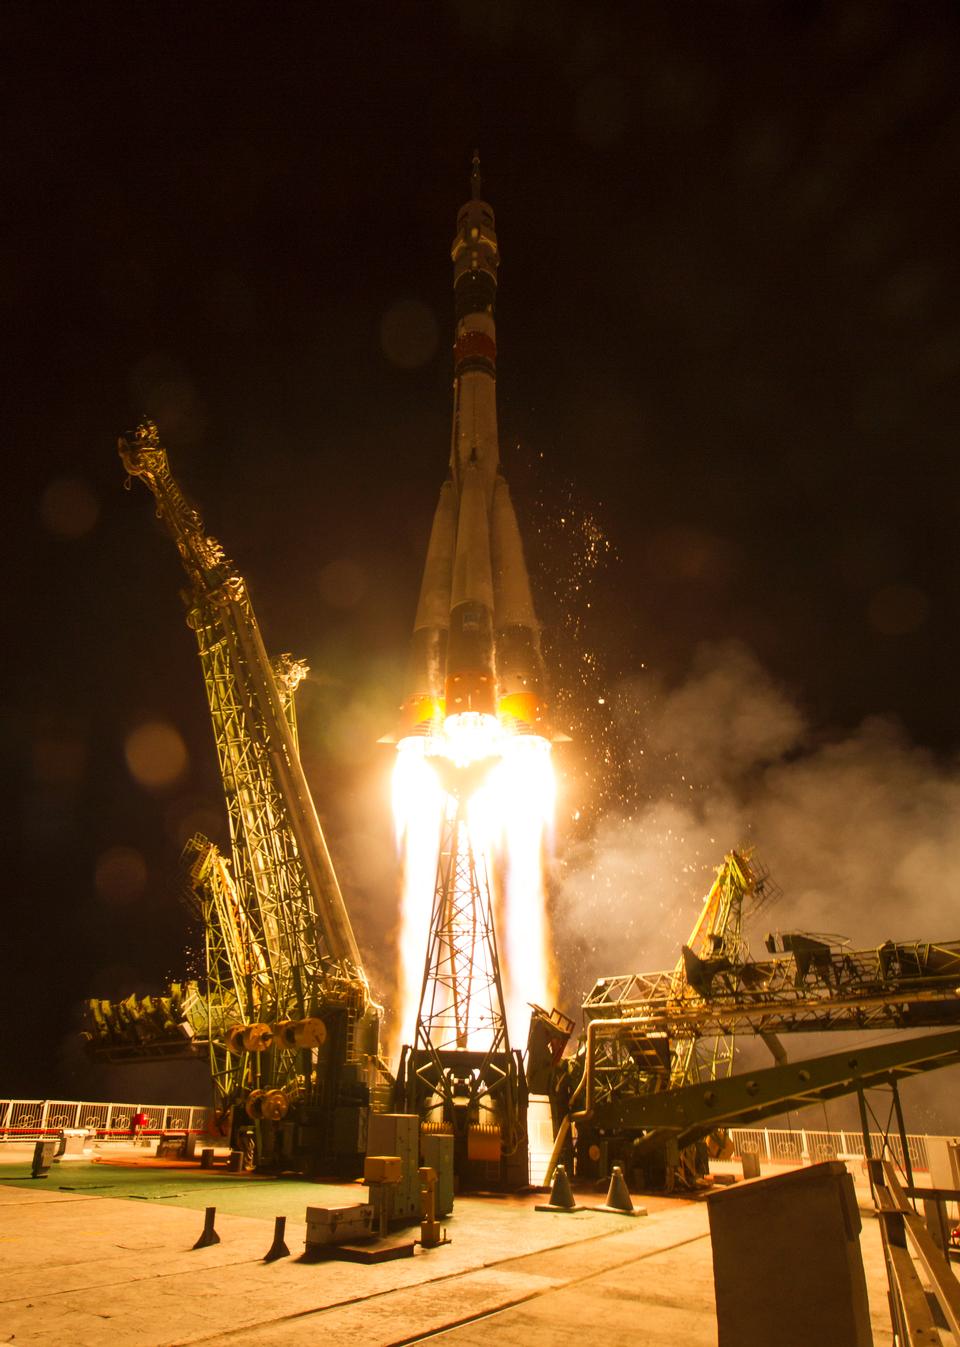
[[91, 1271], [83, 1270]]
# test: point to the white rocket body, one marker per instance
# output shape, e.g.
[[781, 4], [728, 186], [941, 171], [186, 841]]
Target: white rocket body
[[476, 641]]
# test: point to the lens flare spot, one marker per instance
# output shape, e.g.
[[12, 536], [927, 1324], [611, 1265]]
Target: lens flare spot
[[156, 755], [120, 875], [187, 816], [342, 584], [409, 334], [69, 508]]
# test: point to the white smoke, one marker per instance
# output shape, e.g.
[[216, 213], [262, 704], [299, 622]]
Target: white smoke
[[860, 830]]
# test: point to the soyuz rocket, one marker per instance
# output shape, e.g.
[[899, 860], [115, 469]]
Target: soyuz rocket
[[476, 639]]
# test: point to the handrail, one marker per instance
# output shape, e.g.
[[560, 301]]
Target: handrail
[[799, 1144], [33, 1117], [900, 1224]]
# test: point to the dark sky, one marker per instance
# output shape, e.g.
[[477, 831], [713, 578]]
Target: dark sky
[[728, 331]]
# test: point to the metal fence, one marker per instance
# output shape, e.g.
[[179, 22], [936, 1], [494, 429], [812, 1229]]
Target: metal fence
[[27, 1119], [804, 1146]]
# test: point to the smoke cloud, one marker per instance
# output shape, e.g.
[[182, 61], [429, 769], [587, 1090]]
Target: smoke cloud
[[860, 831]]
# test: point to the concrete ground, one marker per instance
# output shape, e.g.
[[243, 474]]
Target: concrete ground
[[97, 1254]]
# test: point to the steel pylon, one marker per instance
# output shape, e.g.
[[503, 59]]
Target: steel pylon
[[460, 1073], [461, 999]]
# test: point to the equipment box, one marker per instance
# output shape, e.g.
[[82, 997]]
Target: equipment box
[[787, 1266], [339, 1225], [398, 1134], [436, 1150]]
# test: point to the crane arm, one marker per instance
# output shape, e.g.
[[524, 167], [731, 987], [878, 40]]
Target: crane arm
[[896, 985], [220, 593]]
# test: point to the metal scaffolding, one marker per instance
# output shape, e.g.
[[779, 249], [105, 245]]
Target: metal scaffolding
[[285, 1013], [460, 1074], [461, 999], [654, 1070]]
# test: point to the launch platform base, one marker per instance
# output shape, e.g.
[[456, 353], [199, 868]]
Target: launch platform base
[[98, 1270]]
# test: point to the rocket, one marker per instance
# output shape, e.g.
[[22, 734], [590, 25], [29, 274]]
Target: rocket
[[476, 639]]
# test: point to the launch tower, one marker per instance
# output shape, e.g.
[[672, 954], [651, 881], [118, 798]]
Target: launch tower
[[286, 1013]]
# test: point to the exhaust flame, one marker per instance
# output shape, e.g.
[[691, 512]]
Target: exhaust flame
[[511, 808], [418, 801], [525, 790]]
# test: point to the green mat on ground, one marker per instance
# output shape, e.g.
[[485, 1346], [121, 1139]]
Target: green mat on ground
[[258, 1196]]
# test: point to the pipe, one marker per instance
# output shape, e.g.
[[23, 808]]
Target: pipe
[[586, 1082]]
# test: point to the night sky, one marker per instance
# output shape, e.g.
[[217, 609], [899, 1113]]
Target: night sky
[[728, 342]]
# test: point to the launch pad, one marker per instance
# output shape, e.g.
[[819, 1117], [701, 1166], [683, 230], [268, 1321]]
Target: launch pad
[[286, 1015], [460, 1074], [285, 1012], [133, 1279]]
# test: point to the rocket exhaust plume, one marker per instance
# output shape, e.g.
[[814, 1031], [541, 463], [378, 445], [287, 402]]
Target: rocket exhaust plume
[[475, 696]]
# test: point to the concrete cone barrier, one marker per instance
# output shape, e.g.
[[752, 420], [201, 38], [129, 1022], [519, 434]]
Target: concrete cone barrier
[[278, 1249], [209, 1235], [618, 1197], [561, 1194]]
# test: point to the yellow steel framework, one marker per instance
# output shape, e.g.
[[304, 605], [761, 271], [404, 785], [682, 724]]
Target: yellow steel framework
[[741, 886], [655, 1063], [286, 1011]]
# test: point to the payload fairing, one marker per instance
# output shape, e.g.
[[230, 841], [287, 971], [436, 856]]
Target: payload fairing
[[476, 642]]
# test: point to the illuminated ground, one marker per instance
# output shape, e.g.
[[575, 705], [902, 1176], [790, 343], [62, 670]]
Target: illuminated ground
[[98, 1255]]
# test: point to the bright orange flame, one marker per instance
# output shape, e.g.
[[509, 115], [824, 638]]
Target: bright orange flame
[[511, 824]]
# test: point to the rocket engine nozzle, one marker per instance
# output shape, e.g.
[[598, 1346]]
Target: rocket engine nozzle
[[421, 714], [521, 712]]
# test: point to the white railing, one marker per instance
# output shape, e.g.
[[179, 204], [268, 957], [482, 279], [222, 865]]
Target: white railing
[[27, 1119], [805, 1146]]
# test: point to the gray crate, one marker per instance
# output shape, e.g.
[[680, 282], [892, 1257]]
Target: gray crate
[[787, 1266], [339, 1225], [399, 1134], [436, 1152]]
